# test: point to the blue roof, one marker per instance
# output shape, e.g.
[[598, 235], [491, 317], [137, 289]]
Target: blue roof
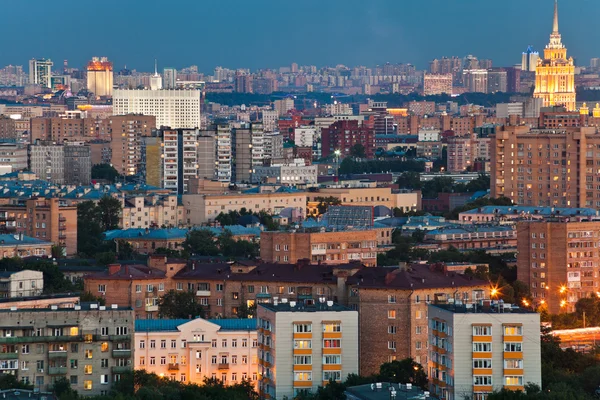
[[479, 194], [170, 325], [505, 210], [458, 229], [176, 233], [12, 240]]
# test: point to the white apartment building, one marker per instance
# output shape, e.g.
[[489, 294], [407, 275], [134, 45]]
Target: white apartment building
[[303, 347], [273, 145], [13, 155], [269, 120], [304, 136], [293, 173], [224, 153], [150, 212], [21, 283], [172, 108], [179, 158], [283, 106], [192, 350], [477, 349], [429, 135]]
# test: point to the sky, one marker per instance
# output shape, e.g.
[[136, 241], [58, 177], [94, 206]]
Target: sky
[[272, 33]]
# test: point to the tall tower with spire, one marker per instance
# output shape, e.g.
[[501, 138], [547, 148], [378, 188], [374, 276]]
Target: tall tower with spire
[[156, 79], [555, 73]]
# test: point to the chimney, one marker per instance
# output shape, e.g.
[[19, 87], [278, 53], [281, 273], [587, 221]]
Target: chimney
[[389, 278], [113, 268]]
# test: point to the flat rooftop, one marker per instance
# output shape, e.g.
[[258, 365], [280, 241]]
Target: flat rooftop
[[302, 307], [366, 392], [485, 307]]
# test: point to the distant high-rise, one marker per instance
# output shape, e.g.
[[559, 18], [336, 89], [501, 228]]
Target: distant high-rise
[[62, 164], [476, 80], [156, 79], [529, 60], [437, 84], [40, 72], [555, 73], [170, 78], [497, 81], [100, 76]]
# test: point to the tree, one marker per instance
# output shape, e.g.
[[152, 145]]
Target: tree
[[62, 389], [109, 209], [404, 371], [180, 305], [105, 172], [244, 311], [88, 297], [325, 202], [89, 230], [201, 242], [358, 151], [410, 180]]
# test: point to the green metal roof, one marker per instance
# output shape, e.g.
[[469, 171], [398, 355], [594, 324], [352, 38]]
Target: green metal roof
[[170, 325]]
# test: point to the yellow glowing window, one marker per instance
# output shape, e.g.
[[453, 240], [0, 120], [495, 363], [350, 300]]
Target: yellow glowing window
[[88, 369], [104, 347], [87, 385], [513, 330], [88, 354], [74, 331]]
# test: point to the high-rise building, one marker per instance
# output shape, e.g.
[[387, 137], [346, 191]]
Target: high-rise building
[[479, 349], [552, 264], [529, 60], [126, 147], [555, 73], [545, 167], [304, 347], [100, 76], [224, 153], [248, 150], [40, 72], [283, 106], [170, 78], [207, 155], [497, 81], [179, 158], [343, 135], [476, 80], [437, 84], [173, 108], [68, 164], [269, 120]]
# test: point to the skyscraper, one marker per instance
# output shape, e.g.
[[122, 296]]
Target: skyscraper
[[40, 72], [555, 73], [529, 60], [156, 79], [100, 76], [170, 78]]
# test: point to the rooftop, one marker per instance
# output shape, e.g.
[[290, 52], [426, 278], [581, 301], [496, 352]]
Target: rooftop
[[79, 307], [484, 307], [292, 306], [372, 392], [13, 240], [170, 325], [545, 211]]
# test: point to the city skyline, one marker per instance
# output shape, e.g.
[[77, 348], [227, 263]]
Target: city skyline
[[376, 36]]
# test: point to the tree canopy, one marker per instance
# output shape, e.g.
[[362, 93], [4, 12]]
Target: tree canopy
[[180, 305], [105, 172]]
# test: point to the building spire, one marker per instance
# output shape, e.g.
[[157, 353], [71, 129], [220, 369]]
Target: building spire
[[555, 25], [156, 65]]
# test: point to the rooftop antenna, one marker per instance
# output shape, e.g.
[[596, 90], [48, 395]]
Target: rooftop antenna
[[155, 68]]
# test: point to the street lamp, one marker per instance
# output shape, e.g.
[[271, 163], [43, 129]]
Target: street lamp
[[337, 153]]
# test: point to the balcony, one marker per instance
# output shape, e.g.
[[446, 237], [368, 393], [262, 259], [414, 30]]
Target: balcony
[[119, 338], [9, 356], [57, 370], [62, 227], [40, 339], [121, 353], [57, 354], [224, 366], [62, 219], [62, 235], [120, 369], [203, 293], [173, 367], [151, 308]]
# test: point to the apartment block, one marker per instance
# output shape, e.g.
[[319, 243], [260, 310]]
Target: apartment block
[[151, 211], [190, 351], [89, 345], [304, 347], [480, 348], [343, 135], [15, 155], [392, 305], [557, 259], [546, 167], [126, 140], [136, 286], [435, 84], [62, 164], [248, 150], [203, 208], [179, 158], [7, 128], [23, 283], [22, 246], [44, 220], [334, 247]]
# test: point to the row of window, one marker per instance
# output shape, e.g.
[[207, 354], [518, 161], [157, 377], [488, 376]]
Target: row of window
[[327, 344], [509, 330], [327, 328], [73, 364], [487, 347], [174, 359], [327, 360], [392, 314], [198, 338], [486, 380], [327, 376]]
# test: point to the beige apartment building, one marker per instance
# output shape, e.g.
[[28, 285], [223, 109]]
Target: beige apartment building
[[88, 345], [549, 167], [204, 208], [151, 212], [557, 260], [23, 283], [477, 349], [191, 351], [304, 347], [371, 196]]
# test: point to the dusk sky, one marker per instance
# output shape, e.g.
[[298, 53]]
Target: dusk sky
[[273, 33]]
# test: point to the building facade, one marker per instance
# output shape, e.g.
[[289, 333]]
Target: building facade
[[23, 283], [90, 346], [304, 347], [555, 73], [62, 164], [345, 134], [100, 76], [477, 349], [190, 351], [435, 84]]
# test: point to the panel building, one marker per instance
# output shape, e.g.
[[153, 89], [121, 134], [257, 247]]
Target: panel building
[[480, 348], [304, 347], [68, 164], [434, 84], [40, 72]]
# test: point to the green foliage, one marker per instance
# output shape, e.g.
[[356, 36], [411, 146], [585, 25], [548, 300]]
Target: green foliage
[[94, 219], [246, 312], [233, 218], [404, 371], [325, 202], [180, 305], [350, 166], [88, 297], [358, 151], [482, 202], [8, 381], [201, 242], [54, 279], [410, 180], [105, 172]]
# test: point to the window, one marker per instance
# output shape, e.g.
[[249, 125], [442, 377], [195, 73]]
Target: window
[[25, 349], [391, 314], [418, 330], [392, 345], [482, 363], [87, 385], [332, 343], [302, 376], [391, 298], [245, 360], [482, 347], [513, 380], [332, 327], [392, 330], [163, 344], [213, 360], [513, 346], [244, 342], [173, 344], [418, 314], [223, 343], [250, 288], [332, 376], [482, 331], [332, 359], [88, 353], [219, 287], [513, 364], [483, 380], [150, 288], [138, 288], [302, 328], [213, 343], [87, 369], [101, 289], [233, 342], [513, 330], [104, 331], [179, 286], [142, 360], [234, 359], [73, 363], [104, 379], [153, 344], [152, 360], [142, 344], [254, 343], [163, 361], [302, 360], [302, 344]]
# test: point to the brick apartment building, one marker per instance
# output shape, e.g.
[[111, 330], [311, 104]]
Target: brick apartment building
[[343, 135], [557, 260], [392, 309], [43, 219]]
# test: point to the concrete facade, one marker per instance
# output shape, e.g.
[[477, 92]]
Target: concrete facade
[[23, 283]]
